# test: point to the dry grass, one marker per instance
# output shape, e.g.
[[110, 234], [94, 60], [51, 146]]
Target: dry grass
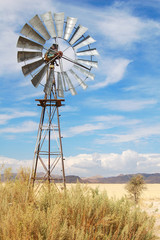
[[80, 213], [150, 199]]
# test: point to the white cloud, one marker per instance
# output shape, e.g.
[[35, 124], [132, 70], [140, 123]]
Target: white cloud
[[116, 120], [27, 126], [4, 118], [112, 163], [130, 105], [31, 95], [100, 123], [6, 162], [139, 133], [106, 165], [114, 69], [81, 129], [122, 28], [127, 105]]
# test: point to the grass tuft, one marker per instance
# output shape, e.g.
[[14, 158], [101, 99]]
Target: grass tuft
[[79, 213]]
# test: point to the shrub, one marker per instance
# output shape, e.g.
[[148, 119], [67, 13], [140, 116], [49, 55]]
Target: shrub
[[135, 187]]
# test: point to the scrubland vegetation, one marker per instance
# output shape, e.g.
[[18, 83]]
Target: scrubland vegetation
[[80, 213]]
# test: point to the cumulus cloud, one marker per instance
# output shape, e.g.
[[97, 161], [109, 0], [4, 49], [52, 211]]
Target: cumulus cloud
[[15, 164], [111, 164]]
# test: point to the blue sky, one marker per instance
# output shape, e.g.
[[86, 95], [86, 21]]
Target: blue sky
[[114, 126]]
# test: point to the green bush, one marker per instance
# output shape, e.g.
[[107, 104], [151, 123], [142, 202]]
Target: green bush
[[135, 187], [79, 213]]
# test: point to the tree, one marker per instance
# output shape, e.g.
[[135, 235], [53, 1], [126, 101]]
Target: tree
[[135, 187]]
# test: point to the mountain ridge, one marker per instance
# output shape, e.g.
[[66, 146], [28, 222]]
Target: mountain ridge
[[120, 179]]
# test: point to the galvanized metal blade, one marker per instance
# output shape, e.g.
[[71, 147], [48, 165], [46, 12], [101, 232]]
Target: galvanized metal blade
[[80, 81], [26, 43], [59, 21], [88, 40], [70, 60], [71, 22], [39, 76], [59, 86], [89, 52], [85, 72], [29, 32], [78, 34], [62, 75], [24, 56], [63, 80], [38, 25], [48, 21], [49, 83], [88, 63], [70, 85], [26, 69]]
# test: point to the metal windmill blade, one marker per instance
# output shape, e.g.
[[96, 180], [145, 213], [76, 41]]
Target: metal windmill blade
[[29, 68], [80, 81], [37, 34], [59, 21], [31, 33], [78, 34], [85, 72], [86, 41], [71, 22], [60, 86], [88, 62], [39, 76], [89, 52], [70, 85], [24, 56], [48, 21], [38, 25], [28, 44], [49, 83]]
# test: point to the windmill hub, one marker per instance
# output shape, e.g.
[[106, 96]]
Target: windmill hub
[[53, 54]]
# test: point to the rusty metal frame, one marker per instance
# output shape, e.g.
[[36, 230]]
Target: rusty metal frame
[[50, 112]]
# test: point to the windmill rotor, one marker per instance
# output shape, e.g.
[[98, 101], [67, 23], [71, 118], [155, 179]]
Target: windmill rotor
[[51, 40]]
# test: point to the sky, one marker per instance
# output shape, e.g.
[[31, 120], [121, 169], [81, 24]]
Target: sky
[[111, 128]]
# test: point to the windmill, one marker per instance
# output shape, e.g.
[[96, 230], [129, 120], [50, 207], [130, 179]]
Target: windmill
[[49, 50]]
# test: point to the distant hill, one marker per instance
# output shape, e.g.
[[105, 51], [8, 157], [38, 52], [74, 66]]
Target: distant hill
[[149, 178]]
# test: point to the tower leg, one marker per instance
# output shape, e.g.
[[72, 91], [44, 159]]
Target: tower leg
[[37, 148], [61, 150]]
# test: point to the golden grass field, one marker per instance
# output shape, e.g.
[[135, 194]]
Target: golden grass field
[[79, 213], [149, 202]]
